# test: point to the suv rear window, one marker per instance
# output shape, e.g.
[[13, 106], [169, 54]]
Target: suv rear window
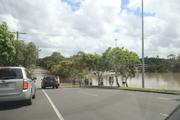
[[9, 73], [50, 78]]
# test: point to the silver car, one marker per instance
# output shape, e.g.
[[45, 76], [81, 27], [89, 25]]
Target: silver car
[[16, 84]]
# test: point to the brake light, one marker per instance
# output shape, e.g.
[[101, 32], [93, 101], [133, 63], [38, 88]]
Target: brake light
[[25, 85], [45, 81]]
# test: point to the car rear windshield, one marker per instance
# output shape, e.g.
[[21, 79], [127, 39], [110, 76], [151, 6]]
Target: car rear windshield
[[8, 73], [50, 78]]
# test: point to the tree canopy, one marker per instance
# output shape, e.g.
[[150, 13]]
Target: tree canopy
[[16, 52], [119, 60], [7, 48]]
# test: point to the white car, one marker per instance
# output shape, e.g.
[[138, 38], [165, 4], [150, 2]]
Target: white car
[[16, 84]]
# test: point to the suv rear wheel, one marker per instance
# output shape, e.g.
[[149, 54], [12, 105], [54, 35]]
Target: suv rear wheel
[[29, 101], [34, 96]]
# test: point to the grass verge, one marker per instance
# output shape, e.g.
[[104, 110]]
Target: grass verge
[[152, 90]]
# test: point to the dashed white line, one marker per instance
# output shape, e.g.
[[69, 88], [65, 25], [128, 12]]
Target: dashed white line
[[90, 94], [53, 106], [165, 115]]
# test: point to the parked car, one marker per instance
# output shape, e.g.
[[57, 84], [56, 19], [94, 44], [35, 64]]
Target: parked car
[[16, 84], [49, 81]]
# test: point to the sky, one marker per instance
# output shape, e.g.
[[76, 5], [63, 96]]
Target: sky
[[69, 26]]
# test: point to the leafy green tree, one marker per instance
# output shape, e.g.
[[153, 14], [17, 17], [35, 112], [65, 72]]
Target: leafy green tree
[[90, 63], [31, 54], [123, 62], [26, 54], [7, 49], [96, 65], [20, 57], [49, 61]]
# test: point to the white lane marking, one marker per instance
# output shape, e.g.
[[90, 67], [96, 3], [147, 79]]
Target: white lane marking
[[54, 107], [165, 115], [90, 94], [164, 98]]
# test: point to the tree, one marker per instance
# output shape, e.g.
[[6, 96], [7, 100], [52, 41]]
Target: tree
[[123, 62], [7, 49], [95, 64], [49, 61], [26, 54], [118, 60], [20, 57], [31, 55]]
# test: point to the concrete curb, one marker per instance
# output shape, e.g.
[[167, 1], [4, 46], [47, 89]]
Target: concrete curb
[[172, 92]]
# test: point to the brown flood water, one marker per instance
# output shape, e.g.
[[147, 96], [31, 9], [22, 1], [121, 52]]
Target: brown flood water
[[152, 80], [158, 80]]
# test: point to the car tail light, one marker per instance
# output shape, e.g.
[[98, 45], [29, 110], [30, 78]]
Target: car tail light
[[45, 81], [25, 85]]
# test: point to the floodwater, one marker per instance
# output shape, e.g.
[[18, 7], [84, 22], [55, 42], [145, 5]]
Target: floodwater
[[152, 80]]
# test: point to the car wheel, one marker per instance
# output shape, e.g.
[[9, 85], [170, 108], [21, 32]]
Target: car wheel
[[29, 101], [56, 87], [34, 96]]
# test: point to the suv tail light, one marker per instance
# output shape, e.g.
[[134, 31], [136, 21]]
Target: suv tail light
[[25, 85]]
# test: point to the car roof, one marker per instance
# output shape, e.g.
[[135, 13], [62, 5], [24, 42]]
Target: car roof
[[49, 77], [12, 67]]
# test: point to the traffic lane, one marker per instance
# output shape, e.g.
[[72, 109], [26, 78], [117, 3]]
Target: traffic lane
[[93, 104], [175, 115], [39, 73], [39, 110]]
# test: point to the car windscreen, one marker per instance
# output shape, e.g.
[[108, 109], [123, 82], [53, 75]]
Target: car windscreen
[[8, 73]]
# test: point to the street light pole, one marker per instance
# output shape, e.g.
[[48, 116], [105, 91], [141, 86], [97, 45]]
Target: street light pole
[[143, 83]]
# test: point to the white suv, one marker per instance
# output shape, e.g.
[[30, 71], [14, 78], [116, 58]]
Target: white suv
[[16, 84]]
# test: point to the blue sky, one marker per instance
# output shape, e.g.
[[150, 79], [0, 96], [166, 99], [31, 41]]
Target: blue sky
[[76, 4], [124, 4]]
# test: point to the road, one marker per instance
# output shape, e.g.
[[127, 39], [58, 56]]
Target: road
[[93, 104]]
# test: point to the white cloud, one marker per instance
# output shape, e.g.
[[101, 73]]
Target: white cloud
[[53, 25], [11, 21]]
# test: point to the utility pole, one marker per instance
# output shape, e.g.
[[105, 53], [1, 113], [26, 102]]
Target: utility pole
[[115, 42], [17, 34], [143, 83]]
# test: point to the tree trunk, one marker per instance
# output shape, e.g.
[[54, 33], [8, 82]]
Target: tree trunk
[[99, 80], [117, 82], [126, 82]]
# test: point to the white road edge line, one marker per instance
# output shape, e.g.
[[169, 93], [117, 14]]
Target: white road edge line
[[54, 107], [90, 94], [165, 115]]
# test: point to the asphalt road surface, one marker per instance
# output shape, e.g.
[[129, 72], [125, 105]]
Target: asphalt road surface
[[93, 104]]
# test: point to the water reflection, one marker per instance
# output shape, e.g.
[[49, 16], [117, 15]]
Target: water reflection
[[158, 80], [152, 80]]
